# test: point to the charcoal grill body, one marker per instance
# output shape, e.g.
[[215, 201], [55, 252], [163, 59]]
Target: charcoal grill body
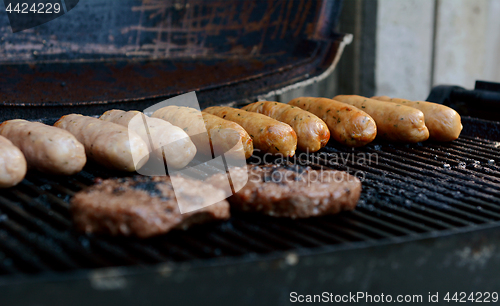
[[419, 227], [416, 230], [452, 261]]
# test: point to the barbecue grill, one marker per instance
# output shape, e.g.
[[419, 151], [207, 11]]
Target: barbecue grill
[[428, 219]]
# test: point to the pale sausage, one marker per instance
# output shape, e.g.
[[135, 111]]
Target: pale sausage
[[107, 143], [178, 148], [46, 148], [12, 164]]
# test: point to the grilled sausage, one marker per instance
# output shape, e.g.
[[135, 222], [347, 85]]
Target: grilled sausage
[[12, 164], [312, 132], [174, 142], [347, 124], [268, 134], [223, 135], [107, 143], [443, 122], [395, 122], [381, 98], [46, 148]]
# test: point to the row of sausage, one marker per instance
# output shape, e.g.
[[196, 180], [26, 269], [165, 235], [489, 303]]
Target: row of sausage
[[124, 140]]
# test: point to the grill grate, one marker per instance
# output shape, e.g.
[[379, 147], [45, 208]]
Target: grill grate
[[412, 189]]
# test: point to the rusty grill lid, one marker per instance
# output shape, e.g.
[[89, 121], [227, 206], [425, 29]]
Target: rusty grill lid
[[135, 53]]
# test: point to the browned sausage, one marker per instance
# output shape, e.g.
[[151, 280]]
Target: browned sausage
[[268, 134], [395, 122], [443, 122], [223, 135], [312, 132], [347, 124]]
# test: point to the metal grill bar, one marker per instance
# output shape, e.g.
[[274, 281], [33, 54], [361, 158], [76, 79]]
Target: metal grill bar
[[412, 189], [349, 230], [375, 183]]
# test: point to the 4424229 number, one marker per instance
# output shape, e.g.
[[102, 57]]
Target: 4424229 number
[[37, 8], [475, 297]]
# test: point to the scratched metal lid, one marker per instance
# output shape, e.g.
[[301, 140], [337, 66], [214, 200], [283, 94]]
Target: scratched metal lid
[[131, 54]]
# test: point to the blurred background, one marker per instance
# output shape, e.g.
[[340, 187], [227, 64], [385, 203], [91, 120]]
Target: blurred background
[[402, 48]]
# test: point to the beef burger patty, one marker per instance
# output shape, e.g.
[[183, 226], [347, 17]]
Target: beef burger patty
[[144, 206], [292, 191]]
